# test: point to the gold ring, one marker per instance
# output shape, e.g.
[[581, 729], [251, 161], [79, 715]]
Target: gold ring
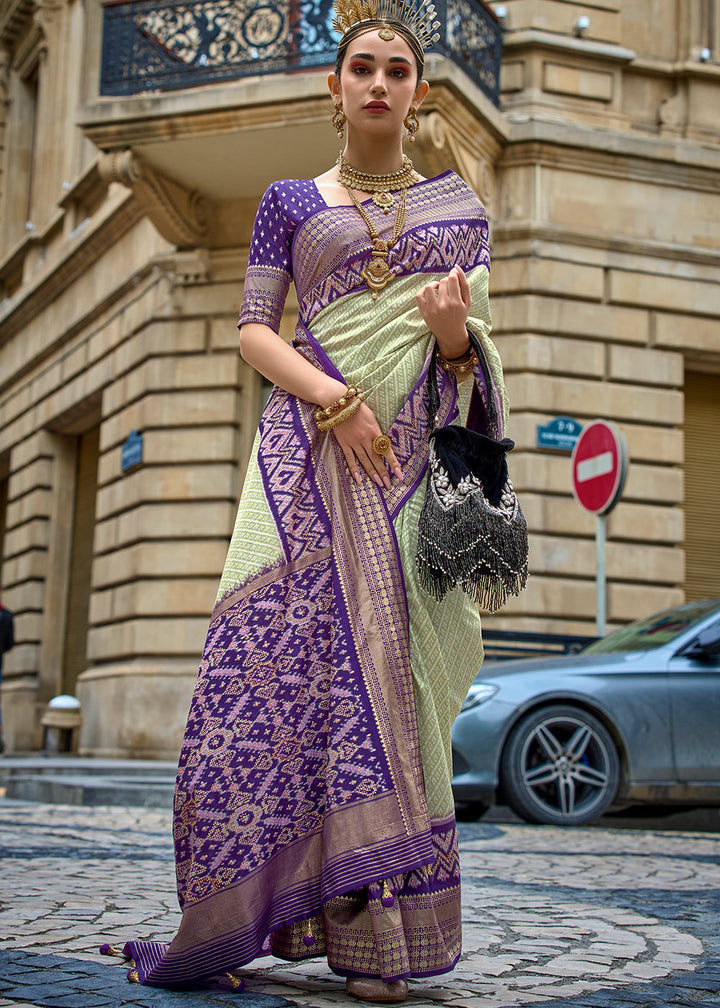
[[382, 444]]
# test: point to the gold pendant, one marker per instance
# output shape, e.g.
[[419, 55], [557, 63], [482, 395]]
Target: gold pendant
[[384, 201], [377, 274]]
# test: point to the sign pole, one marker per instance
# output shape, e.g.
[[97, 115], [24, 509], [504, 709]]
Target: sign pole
[[600, 587], [599, 468]]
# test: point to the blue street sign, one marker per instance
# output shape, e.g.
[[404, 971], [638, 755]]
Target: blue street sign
[[132, 451], [559, 434]]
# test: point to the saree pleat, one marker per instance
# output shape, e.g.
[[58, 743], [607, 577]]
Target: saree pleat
[[313, 809]]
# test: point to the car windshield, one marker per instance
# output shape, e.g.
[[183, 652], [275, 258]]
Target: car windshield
[[654, 631]]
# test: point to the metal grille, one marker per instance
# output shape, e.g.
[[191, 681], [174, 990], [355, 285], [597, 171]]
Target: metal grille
[[150, 46]]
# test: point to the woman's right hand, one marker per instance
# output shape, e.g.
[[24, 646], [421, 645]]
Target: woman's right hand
[[355, 436]]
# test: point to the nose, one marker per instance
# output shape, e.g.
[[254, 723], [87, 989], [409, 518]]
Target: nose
[[378, 84]]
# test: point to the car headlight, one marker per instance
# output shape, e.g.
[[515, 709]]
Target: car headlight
[[479, 693]]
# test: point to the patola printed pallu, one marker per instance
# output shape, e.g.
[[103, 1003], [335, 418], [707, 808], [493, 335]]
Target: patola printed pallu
[[313, 809]]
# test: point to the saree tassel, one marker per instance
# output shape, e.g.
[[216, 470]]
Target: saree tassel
[[112, 950], [308, 937], [133, 976], [387, 899], [226, 982]]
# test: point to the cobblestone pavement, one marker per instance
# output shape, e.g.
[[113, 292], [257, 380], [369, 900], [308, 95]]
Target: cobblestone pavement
[[582, 918]]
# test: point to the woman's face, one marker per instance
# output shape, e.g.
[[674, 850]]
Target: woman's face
[[378, 83]]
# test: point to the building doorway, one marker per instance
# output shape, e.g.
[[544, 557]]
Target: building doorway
[[702, 486]]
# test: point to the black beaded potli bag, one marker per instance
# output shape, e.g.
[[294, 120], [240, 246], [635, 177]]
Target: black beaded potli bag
[[472, 531]]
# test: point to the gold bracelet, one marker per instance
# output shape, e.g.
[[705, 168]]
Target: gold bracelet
[[460, 365], [350, 392], [349, 410]]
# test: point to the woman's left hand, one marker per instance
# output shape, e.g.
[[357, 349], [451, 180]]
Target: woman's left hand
[[445, 306]]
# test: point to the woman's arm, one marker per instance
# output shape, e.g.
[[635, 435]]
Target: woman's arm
[[269, 354]]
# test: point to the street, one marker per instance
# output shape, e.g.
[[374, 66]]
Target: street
[[599, 916]]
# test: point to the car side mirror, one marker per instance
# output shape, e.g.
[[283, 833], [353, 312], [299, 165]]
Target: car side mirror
[[706, 646]]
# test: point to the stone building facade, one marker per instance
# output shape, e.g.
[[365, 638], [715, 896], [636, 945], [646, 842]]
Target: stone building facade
[[124, 227]]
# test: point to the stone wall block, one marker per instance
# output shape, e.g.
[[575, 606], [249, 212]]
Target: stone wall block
[[554, 597], [551, 16], [654, 484], [547, 276], [182, 446], [533, 472], [586, 400], [24, 596], [561, 556], [74, 361], [558, 316], [669, 293], [165, 559], [212, 299], [165, 597], [162, 337], [30, 566], [169, 409], [106, 535], [555, 515], [652, 367], [36, 447], [180, 636], [551, 355], [648, 444], [224, 334], [627, 602], [687, 332], [106, 340], [115, 429], [37, 474], [166, 483], [35, 504], [578, 82], [653, 565], [646, 522], [31, 535], [183, 521], [149, 701]]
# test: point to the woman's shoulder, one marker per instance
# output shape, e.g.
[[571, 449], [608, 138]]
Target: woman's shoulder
[[291, 189], [449, 186]]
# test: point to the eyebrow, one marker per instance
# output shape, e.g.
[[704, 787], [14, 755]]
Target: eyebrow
[[371, 58]]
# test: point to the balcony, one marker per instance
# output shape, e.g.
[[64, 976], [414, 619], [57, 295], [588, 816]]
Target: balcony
[[151, 47]]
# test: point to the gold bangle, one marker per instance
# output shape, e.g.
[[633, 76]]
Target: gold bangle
[[349, 394], [349, 410], [460, 365]]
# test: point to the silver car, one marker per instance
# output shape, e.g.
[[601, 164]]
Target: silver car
[[634, 718]]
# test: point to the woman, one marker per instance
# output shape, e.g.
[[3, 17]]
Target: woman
[[313, 810]]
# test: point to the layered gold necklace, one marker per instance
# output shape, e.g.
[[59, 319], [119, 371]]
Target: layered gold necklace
[[377, 274], [382, 187]]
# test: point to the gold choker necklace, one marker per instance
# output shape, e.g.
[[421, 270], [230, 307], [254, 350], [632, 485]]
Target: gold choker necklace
[[382, 187]]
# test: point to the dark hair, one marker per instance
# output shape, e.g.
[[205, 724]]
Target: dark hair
[[361, 27]]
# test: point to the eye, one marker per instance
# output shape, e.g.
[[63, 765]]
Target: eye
[[399, 73], [359, 68]]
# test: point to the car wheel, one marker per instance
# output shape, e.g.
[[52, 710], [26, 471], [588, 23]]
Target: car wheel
[[470, 811], [560, 766]]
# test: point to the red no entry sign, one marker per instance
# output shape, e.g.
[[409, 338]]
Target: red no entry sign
[[599, 466]]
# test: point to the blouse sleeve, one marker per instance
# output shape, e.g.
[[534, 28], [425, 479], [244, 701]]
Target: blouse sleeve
[[269, 266]]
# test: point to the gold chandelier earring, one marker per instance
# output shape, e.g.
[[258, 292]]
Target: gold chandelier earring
[[411, 123], [339, 119]]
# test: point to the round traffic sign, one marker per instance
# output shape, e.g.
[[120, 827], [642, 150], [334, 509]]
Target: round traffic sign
[[599, 466]]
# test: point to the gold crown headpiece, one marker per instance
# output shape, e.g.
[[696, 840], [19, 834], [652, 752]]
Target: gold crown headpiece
[[417, 16]]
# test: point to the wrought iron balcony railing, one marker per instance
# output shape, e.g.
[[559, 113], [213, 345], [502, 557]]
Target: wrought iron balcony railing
[[159, 45]]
